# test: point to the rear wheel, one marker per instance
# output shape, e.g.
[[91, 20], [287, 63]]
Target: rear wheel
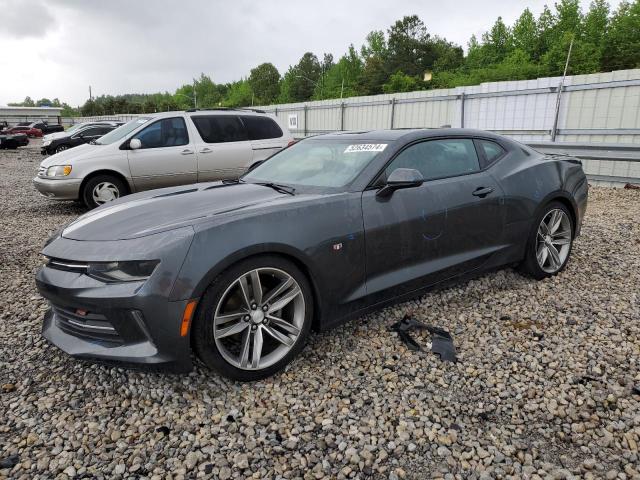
[[254, 318], [550, 244], [102, 189]]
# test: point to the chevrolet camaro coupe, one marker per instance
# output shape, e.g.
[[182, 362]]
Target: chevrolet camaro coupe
[[239, 272]]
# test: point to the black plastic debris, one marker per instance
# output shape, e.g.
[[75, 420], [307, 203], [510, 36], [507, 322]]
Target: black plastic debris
[[441, 340], [163, 430], [635, 390], [9, 462]]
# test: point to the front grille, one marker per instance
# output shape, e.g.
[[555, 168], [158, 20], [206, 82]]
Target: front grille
[[90, 326]]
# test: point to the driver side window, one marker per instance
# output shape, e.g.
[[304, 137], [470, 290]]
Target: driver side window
[[169, 132], [438, 158]]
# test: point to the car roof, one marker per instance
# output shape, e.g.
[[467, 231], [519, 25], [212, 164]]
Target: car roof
[[206, 111], [390, 135]]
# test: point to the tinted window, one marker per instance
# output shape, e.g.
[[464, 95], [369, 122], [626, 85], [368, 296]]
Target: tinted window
[[169, 132], [91, 132], [261, 128], [492, 151], [438, 158], [220, 128]]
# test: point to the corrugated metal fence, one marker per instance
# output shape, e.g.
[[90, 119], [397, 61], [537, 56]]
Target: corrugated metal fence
[[594, 109]]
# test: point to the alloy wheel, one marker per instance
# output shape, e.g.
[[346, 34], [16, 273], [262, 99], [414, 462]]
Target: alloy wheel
[[553, 241], [259, 318], [61, 148], [105, 192]]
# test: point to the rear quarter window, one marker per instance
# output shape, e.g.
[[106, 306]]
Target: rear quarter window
[[220, 128], [261, 128], [490, 152]]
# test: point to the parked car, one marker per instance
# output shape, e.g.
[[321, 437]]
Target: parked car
[[172, 148], [46, 127], [74, 128], [328, 229], [26, 130], [11, 142], [77, 137]]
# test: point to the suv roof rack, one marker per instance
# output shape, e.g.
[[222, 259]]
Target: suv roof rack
[[226, 108]]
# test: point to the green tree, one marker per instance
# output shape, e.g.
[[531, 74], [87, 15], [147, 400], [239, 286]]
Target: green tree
[[239, 94], [622, 44], [341, 79], [300, 81], [408, 48], [265, 83], [525, 33], [497, 42], [399, 82]]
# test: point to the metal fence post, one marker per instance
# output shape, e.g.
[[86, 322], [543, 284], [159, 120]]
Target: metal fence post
[[393, 111], [341, 116], [554, 129], [462, 110], [305, 121]]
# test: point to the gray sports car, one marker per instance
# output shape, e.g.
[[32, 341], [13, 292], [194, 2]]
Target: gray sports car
[[328, 229]]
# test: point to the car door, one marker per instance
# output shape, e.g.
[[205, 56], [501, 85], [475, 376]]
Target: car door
[[223, 149], [447, 226], [166, 157], [265, 135]]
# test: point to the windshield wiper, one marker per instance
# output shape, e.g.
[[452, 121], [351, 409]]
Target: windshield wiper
[[277, 187]]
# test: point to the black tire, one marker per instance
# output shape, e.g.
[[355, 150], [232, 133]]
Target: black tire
[[61, 148], [530, 265], [87, 190], [202, 337]]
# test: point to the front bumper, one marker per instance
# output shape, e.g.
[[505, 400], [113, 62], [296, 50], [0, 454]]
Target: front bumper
[[132, 323], [58, 189]]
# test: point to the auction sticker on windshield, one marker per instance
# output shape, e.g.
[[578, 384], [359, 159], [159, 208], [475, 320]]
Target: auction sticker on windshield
[[366, 147]]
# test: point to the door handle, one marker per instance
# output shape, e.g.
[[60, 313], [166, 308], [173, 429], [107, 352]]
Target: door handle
[[186, 151], [482, 191], [206, 150]]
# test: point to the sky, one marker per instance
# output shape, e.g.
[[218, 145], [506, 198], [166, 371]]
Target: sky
[[55, 48]]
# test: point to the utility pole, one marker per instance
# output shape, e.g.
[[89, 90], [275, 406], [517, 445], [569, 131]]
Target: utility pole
[[560, 87], [90, 96], [342, 88], [195, 98]]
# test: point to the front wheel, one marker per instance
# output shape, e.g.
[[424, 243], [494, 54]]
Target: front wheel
[[254, 318], [61, 148], [102, 189], [550, 244]]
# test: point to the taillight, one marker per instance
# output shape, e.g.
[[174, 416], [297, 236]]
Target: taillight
[[291, 142]]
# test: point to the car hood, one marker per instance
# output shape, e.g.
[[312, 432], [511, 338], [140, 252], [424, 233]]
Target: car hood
[[54, 135], [155, 211], [70, 155]]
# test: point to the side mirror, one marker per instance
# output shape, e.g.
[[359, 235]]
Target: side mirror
[[401, 178], [135, 144]]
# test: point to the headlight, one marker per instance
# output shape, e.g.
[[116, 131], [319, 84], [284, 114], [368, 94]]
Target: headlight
[[122, 271], [46, 143], [59, 171]]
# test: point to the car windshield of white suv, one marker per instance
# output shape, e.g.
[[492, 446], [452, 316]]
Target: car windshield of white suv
[[316, 163], [121, 132]]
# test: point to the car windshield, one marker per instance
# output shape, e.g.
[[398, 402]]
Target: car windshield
[[122, 131], [76, 127], [325, 163]]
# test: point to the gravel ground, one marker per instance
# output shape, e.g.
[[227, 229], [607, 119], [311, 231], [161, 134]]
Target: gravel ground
[[543, 389]]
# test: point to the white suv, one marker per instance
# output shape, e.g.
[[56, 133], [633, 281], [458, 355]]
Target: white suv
[[162, 150]]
